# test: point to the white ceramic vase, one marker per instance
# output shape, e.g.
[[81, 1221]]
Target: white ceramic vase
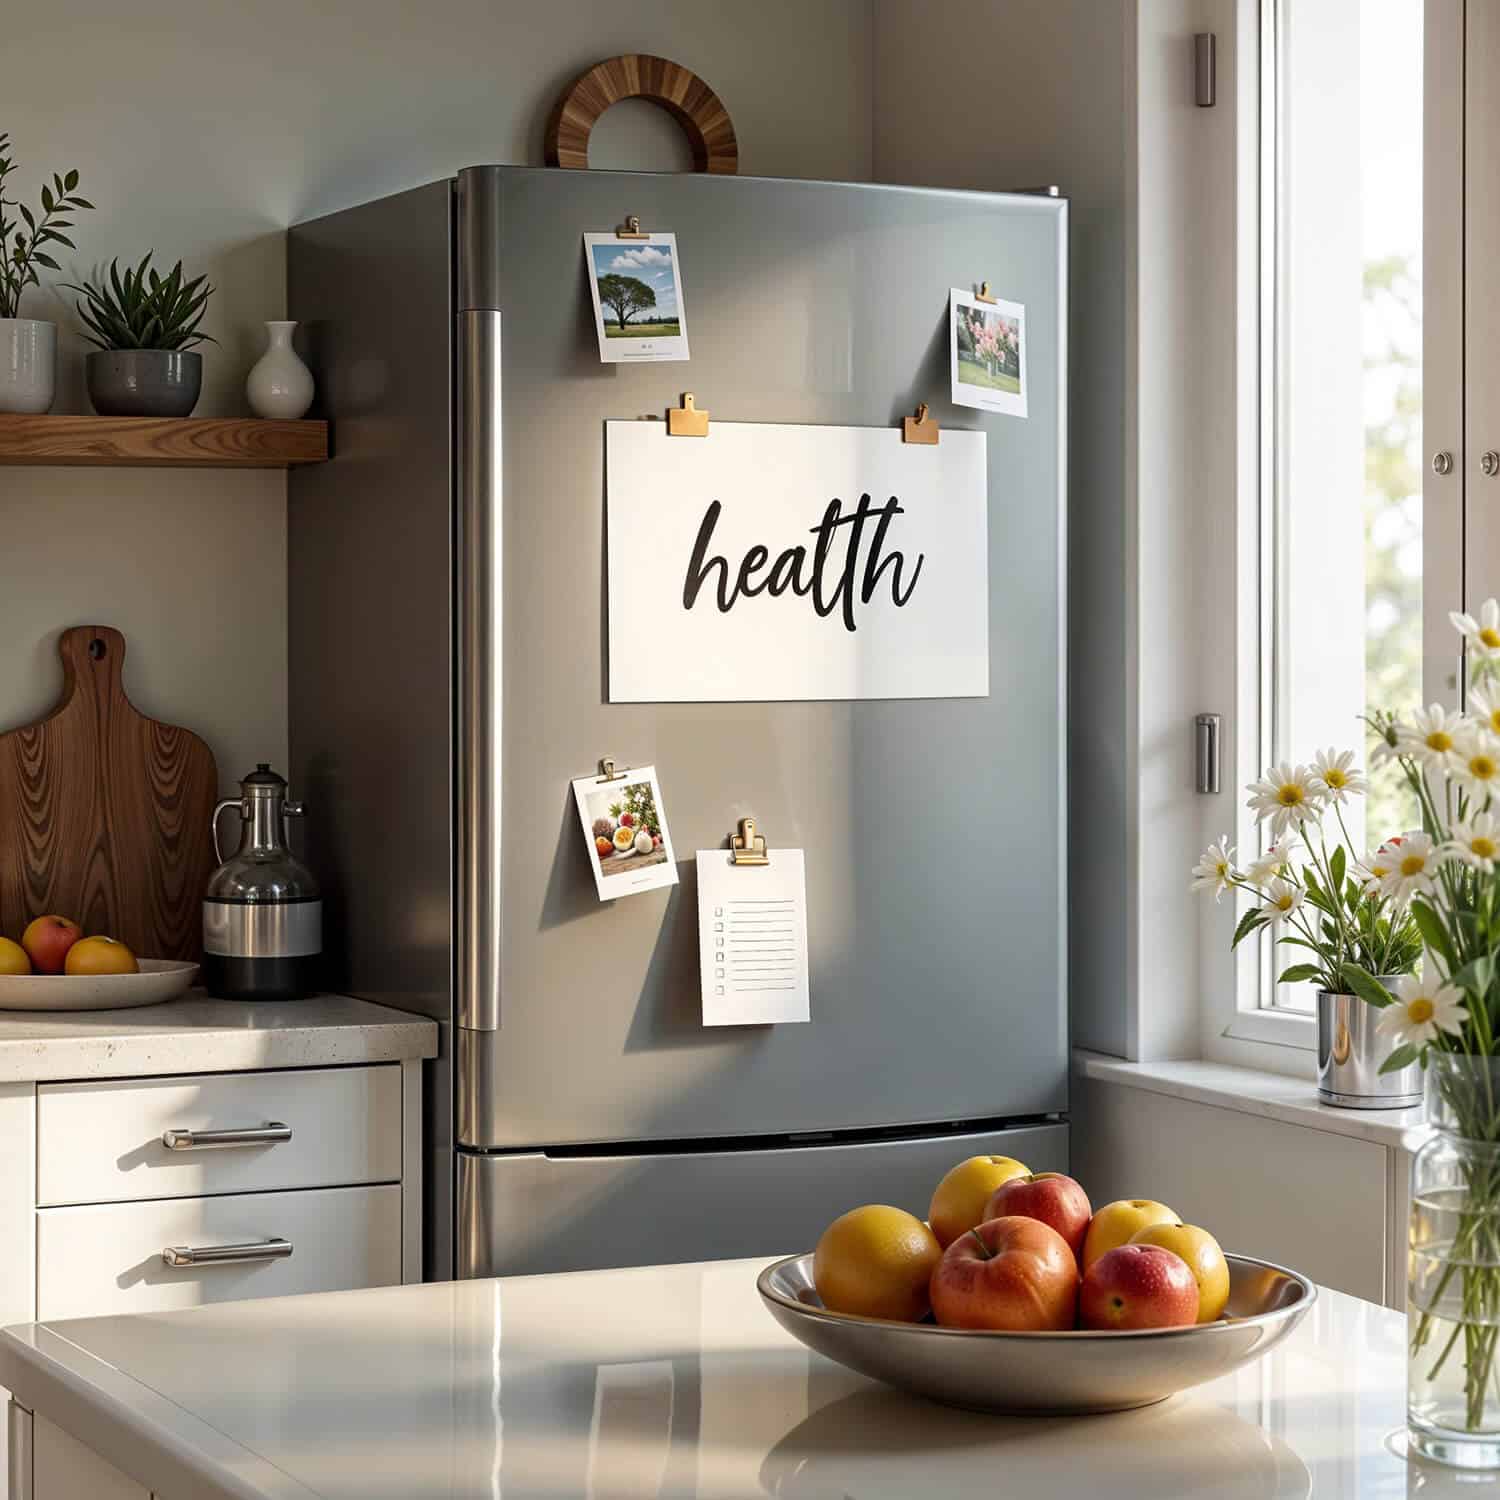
[[28, 365], [280, 385]]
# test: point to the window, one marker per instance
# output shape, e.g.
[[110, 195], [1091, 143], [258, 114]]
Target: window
[[1340, 558]]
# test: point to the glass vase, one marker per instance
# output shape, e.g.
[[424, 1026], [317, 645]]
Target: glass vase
[[1453, 1308]]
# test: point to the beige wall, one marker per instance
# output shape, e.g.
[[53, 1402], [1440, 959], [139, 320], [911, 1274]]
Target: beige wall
[[203, 128]]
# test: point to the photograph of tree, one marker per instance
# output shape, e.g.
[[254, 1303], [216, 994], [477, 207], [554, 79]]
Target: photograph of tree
[[637, 290]]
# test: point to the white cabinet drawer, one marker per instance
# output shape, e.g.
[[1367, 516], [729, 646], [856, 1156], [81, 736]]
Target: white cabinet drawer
[[102, 1142], [97, 1260]]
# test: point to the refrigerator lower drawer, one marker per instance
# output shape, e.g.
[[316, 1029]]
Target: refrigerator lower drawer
[[525, 1213]]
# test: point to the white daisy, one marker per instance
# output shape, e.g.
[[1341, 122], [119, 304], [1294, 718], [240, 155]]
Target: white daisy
[[1481, 636], [1215, 871], [1484, 703], [1375, 867], [1414, 868], [1478, 768], [1431, 737], [1337, 777], [1477, 841], [1268, 866], [1421, 1011], [1286, 795], [1282, 899]]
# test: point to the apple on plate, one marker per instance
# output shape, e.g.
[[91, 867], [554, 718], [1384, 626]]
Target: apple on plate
[[1116, 1223], [960, 1199], [91, 957], [1138, 1286], [1052, 1197], [1204, 1259], [47, 940], [1016, 1274]]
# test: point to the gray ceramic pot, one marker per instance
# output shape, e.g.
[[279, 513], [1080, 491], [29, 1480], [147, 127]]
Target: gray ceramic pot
[[144, 382]]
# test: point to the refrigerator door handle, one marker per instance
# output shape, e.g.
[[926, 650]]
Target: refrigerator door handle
[[480, 658]]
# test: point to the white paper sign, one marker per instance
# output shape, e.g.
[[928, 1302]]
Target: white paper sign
[[769, 562], [752, 939]]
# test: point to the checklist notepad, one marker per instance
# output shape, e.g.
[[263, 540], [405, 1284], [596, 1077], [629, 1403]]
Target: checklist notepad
[[752, 939]]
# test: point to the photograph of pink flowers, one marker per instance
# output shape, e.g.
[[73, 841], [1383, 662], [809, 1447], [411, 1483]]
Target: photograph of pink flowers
[[988, 354]]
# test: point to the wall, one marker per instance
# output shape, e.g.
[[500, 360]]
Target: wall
[[1048, 104], [205, 127]]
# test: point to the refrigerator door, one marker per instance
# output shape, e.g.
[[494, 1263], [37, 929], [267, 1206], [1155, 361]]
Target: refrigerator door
[[528, 1213], [933, 829]]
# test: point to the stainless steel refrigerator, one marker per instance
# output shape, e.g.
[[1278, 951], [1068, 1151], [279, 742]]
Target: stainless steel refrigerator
[[448, 671]]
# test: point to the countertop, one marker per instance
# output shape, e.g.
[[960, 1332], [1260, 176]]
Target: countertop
[[667, 1381], [197, 1034]]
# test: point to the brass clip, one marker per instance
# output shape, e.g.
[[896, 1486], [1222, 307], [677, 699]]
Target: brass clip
[[983, 294], [686, 420], [747, 846], [920, 428], [631, 229], [607, 770]]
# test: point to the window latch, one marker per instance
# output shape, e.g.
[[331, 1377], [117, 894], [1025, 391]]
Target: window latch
[[1206, 753]]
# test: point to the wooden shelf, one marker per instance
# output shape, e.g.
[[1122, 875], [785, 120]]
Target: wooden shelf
[[161, 442]]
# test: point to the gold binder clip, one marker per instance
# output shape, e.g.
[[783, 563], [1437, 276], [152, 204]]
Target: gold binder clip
[[631, 229], [607, 770], [920, 428], [686, 420], [983, 294], [747, 847]]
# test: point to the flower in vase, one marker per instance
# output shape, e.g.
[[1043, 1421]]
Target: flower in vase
[[1422, 1010], [1336, 776], [1484, 703], [1287, 796], [1476, 841], [1282, 899], [1215, 871], [1478, 768], [1268, 866], [1413, 869], [1431, 738], [1482, 635]]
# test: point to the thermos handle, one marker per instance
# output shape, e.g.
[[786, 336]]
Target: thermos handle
[[227, 802], [290, 810]]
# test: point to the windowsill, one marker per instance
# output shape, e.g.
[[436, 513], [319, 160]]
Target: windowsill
[[1272, 1096]]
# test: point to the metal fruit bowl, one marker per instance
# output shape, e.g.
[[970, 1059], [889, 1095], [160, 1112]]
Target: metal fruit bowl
[[1045, 1373]]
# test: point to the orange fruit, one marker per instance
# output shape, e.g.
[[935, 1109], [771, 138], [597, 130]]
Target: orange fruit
[[877, 1261], [958, 1204], [100, 955], [1115, 1224], [13, 959]]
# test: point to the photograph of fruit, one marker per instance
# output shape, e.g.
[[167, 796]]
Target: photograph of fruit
[[628, 843], [1011, 1250]]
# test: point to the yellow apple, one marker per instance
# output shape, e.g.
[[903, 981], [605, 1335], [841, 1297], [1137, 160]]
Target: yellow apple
[[13, 959], [1204, 1259], [959, 1203], [99, 955], [1114, 1224]]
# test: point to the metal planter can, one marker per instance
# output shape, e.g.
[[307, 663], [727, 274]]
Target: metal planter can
[[1350, 1053]]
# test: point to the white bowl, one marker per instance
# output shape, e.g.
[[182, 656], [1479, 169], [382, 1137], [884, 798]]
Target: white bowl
[[160, 979]]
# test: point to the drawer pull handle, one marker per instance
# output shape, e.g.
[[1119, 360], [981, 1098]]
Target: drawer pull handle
[[225, 1255], [212, 1140]]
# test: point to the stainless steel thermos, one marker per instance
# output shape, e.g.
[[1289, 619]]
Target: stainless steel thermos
[[263, 913]]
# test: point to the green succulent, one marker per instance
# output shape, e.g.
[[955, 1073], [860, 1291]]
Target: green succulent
[[138, 309]]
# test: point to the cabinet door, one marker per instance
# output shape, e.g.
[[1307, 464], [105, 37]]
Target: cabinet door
[[17, 1241]]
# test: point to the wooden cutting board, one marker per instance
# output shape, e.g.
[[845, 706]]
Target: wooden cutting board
[[104, 813]]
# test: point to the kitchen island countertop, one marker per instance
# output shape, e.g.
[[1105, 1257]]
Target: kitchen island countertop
[[198, 1034], [666, 1381]]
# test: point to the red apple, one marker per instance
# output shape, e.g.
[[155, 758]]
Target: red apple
[[1052, 1197], [1138, 1286], [47, 941], [1012, 1273]]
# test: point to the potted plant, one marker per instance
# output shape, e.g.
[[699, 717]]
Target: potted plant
[[145, 327], [1450, 1027], [1350, 917], [28, 346]]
